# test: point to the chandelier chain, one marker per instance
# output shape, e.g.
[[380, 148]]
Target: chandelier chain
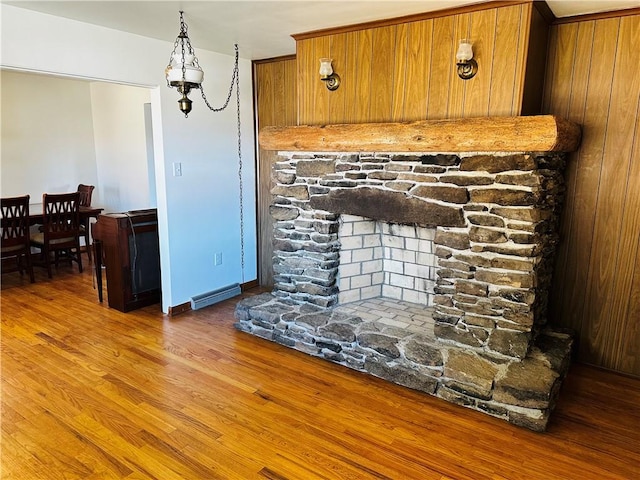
[[234, 81], [184, 67], [237, 77]]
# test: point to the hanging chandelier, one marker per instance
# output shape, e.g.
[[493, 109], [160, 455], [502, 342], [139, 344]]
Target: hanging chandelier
[[184, 73]]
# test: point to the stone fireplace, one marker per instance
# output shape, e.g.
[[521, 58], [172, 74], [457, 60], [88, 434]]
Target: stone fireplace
[[422, 256]]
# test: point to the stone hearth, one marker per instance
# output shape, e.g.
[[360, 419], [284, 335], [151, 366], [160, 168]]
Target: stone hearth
[[479, 338]]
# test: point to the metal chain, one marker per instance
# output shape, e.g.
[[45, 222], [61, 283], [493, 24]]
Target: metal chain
[[184, 61], [240, 169], [235, 81], [180, 39]]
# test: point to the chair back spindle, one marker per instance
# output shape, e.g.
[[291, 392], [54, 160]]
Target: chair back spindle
[[86, 192], [14, 224]]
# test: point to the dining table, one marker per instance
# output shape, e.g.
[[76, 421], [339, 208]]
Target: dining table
[[35, 213]]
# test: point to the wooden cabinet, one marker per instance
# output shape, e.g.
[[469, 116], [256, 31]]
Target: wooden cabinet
[[128, 243]]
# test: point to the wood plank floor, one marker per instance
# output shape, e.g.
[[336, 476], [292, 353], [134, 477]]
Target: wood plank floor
[[91, 393]]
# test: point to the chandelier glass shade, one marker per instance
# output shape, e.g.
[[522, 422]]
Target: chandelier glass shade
[[183, 71]]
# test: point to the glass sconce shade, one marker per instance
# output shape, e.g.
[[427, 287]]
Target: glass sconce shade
[[325, 67], [330, 79], [465, 51]]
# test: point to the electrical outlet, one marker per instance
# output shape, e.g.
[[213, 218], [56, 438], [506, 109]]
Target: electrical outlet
[[177, 169], [217, 259]]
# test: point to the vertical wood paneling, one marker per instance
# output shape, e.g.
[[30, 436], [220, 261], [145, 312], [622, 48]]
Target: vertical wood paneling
[[290, 92], [363, 74], [442, 71], [338, 97], [306, 71], [264, 93], [276, 104], [418, 61], [561, 70], [321, 49], [349, 77], [550, 70], [382, 63], [523, 47], [278, 92], [609, 264], [505, 61], [576, 39], [593, 80], [400, 72], [478, 89], [626, 309], [457, 87], [589, 166], [535, 59], [407, 71]]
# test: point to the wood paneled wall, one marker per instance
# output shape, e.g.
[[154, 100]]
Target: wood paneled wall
[[407, 71], [276, 98], [592, 79]]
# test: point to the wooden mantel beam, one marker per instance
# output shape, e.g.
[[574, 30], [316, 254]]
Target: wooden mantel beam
[[543, 133]]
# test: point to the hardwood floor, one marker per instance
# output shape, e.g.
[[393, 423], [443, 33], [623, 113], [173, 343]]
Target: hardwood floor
[[91, 393]]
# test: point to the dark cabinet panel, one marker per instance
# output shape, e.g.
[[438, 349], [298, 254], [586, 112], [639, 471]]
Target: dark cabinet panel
[[128, 243]]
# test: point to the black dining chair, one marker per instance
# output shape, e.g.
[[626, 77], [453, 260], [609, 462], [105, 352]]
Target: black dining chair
[[15, 232], [61, 230]]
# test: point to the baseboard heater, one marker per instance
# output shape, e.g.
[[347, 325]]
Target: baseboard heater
[[215, 296]]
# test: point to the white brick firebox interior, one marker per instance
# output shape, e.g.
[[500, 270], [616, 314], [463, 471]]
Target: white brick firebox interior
[[381, 259]]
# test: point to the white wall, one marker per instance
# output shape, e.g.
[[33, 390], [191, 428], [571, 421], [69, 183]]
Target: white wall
[[47, 135], [120, 140], [197, 212]]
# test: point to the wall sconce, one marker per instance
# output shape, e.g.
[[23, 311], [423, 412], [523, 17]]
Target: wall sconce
[[331, 80], [184, 73], [467, 66]]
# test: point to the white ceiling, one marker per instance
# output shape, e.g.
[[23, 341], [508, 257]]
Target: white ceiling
[[261, 28]]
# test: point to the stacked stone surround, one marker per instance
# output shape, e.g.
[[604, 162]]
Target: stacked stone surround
[[495, 219]]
